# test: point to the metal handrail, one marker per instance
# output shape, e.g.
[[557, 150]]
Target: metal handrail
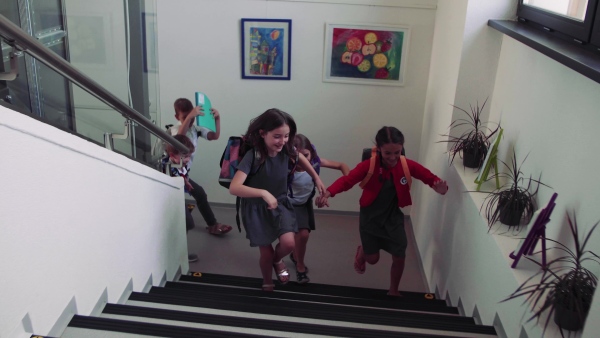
[[22, 41]]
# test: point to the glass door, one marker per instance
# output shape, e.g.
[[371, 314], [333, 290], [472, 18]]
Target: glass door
[[38, 90]]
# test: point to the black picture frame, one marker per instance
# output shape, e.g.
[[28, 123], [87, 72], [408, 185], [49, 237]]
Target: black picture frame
[[266, 51]]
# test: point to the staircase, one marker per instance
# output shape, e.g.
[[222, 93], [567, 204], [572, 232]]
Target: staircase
[[212, 305]]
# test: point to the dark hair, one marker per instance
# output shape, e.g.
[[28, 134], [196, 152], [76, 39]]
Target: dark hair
[[183, 105], [269, 120], [171, 150], [302, 142], [387, 135]]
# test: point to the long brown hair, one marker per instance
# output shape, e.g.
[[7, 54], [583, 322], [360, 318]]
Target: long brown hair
[[269, 120]]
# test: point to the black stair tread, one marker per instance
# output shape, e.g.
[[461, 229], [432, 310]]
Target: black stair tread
[[253, 323], [315, 288], [149, 329], [398, 304], [316, 311], [275, 302]]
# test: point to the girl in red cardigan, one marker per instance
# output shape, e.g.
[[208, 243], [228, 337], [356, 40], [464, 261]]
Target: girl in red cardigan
[[381, 223]]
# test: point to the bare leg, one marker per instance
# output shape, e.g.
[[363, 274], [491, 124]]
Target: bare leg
[[284, 247], [371, 259], [396, 275], [301, 240], [266, 264], [361, 258]]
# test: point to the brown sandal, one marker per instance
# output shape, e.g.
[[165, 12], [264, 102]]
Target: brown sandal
[[218, 229]]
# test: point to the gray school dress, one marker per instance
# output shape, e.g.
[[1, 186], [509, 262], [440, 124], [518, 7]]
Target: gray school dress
[[264, 226], [382, 223], [302, 188]]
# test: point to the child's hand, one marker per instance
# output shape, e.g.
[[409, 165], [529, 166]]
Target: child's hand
[[441, 187], [322, 201], [198, 111], [320, 187], [215, 113], [270, 199]]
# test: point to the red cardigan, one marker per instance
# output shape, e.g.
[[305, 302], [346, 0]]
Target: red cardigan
[[374, 185]]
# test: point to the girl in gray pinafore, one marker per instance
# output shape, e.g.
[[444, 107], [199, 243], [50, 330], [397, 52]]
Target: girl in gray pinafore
[[261, 182]]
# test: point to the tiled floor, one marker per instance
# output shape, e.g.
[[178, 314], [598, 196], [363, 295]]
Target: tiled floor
[[330, 253]]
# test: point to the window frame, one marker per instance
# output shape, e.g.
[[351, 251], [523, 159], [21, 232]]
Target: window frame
[[581, 32]]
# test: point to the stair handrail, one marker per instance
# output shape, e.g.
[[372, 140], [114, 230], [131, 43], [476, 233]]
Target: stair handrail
[[19, 39]]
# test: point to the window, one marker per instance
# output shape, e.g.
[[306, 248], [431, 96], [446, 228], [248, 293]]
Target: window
[[577, 20]]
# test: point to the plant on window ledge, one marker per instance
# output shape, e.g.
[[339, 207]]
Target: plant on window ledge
[[514, 201], [565, 288], [473, 143]]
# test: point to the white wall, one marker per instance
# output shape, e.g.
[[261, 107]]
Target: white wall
[[546, 109], [551, 112], [77, 220], [199, 44]]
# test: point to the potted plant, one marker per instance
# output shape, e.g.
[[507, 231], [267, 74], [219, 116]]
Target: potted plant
[[565, 288], [514, 201], [473, 143]]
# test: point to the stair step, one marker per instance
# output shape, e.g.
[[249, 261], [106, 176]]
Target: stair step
[[390, 318], [312, 288], [149, 329], [397, 303], [253, 323], [398, 330], [77, 332]]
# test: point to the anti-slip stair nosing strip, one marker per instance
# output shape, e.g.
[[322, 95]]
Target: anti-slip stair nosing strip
[[349, 291], [302, 290], [358, 302], [150, 329], [264, 324], [316, 312], [255, 315], [307, 304]]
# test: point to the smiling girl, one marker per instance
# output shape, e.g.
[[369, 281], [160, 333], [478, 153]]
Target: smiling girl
[[261, 182], [381, 222]]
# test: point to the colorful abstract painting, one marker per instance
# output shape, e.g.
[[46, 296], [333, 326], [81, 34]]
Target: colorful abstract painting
[[266, 46], [365, 54]]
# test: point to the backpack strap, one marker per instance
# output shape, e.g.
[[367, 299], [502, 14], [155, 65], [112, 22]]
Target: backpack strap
[[406, 170], [371, 168], [238, 200], [365, 180]]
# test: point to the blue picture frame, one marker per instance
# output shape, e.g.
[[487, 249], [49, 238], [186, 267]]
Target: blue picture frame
[[266, 49]]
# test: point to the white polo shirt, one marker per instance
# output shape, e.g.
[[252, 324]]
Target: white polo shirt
[[193, 133]]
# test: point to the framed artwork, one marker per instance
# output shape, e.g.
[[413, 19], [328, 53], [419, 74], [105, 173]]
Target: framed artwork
[[366, 54], [149, 42], [266, 49], [91, 45]]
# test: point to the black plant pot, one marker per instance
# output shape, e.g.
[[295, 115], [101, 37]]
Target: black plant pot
[[510, 212], [473, 155], [568, 319]]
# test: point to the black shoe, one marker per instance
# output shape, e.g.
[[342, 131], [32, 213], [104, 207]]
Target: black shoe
[[296, 263], [192, 258], [302, 278]]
